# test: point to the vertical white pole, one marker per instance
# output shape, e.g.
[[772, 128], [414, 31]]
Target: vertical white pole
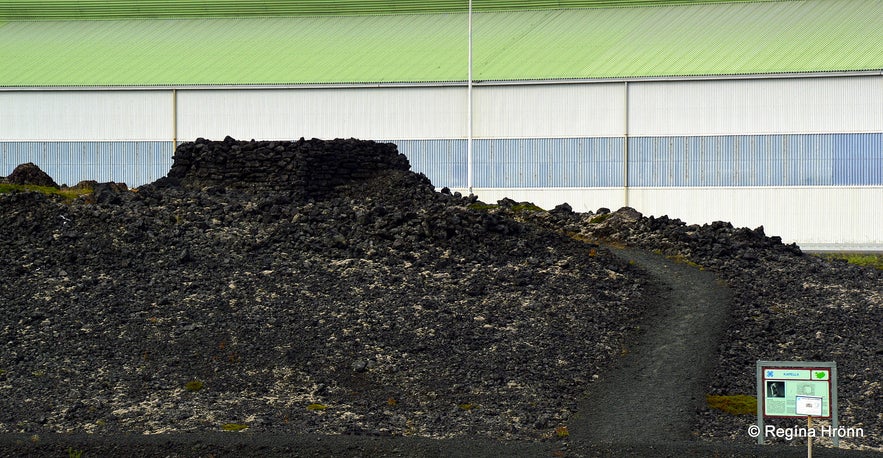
[[174, 120], [469, 177], [808, 436], [625, 151]]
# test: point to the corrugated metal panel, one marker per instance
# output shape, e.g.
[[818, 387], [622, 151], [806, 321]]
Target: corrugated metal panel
[[806, 215], [692, 39], [278, 114], [567, 110], [757, 160], [235, 51], [580, 199], [858, 160], [770, 106], [133, 163], [745, 38], [116, 9], [549, 162], [442, 161], [86, 115]]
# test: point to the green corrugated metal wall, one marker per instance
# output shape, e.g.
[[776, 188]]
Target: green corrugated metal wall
[[684, 40], [130, 9]]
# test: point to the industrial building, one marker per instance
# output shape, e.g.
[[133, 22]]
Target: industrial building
[[755, 112]]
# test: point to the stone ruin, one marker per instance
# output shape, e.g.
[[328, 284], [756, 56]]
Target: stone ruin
[[308, 167]]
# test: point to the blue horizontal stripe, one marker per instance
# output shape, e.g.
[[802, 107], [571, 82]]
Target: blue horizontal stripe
[[757, 160], [132, 162], [727, 160]]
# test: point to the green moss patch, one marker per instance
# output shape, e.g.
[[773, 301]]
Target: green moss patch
[[233, 427], [874, 260], [738, 404], [67, 193]]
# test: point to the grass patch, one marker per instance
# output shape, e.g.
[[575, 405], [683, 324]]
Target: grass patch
[[859, 259], [316, 407], [681, 259], [526, 207], [233, 427], [481, 206], [600, 218], [739, 404], [66, 193]]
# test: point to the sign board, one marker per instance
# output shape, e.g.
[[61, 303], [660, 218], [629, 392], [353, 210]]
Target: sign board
[[782, 385], [796, 389]]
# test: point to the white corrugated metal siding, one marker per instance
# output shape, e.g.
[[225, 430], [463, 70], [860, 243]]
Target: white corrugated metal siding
[[756, 106], [550, 111], [581, 199], [811, 216], [279, 114], [86, 115]]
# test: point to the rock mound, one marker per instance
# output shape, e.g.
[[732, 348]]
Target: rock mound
[[308, 286], [30, 173], [308, 167]]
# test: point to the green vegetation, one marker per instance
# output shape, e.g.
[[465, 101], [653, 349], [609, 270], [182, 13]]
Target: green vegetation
[[681, 259], [874, 260], [481, 206], [739, 404], [562, 432], [526, 207], [68, 193], [600, 218], [193, 386], [233, 427], [467, 406], [316, 407], [520, 207], [71, 453]]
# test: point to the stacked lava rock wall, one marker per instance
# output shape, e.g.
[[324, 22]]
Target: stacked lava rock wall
[[308, 167]]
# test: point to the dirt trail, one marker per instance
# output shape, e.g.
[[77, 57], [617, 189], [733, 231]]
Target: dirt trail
[[654, 392]]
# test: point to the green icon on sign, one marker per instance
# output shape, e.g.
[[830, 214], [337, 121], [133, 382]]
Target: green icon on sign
[[821, 374]]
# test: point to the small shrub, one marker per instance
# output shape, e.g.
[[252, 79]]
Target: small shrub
[[233, 427], [562, 432], [392, 402], [71, 453], [316, 407], [739, 404], [467, 406], [193, 386]]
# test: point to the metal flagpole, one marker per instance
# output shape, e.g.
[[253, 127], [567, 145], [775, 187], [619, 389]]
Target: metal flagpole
[[469, 107]]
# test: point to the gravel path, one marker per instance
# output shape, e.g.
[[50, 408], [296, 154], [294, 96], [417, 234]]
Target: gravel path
[[655, 393]]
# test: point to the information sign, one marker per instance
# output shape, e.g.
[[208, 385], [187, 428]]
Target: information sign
[[790, 389]]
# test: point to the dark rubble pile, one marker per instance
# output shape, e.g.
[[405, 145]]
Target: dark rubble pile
[[29, 173], [788, 306], [373, 306]]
